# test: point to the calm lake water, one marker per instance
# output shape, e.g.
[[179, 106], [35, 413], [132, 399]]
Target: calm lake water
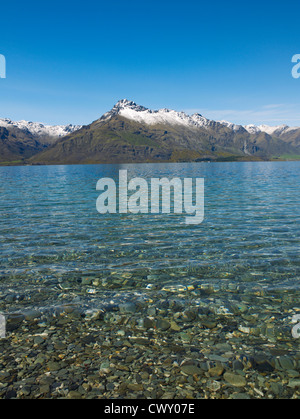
[[183, 301], [49, 225]]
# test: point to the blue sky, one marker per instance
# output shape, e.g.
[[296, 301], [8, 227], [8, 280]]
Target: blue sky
[[69, 62]]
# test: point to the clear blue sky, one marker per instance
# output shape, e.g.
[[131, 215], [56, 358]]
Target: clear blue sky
[[69, 62]]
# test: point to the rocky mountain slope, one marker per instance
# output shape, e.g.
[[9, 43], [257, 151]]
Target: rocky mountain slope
[[21, 140], [16, 146], [291, 135], [132, 133]]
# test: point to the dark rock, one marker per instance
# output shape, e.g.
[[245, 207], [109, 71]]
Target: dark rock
[[10, 394], [237, 365], [163, 324], [286, 363], [264, 366], [148, 323], [14, 321]]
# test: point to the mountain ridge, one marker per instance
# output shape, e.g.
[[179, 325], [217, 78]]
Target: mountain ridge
[[39, 129], [133, 133], [22, 139]]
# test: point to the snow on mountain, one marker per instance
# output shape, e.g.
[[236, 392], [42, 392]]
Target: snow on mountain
[[257, 129], [271, 130], [40, 130], [230, 125], [130, 110], [252, 129]]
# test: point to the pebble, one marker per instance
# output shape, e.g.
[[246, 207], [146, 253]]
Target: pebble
[[14, 321], [163, 324], [191, 369], [32, 315], [127, 308], [216, 370], [286, 363], [74, 395], [294, 383], [45, 389], [218, 358], [38, 340], [235, 379], [53, 366], [213, 385], [208, 324], [148, 323], [174, 326], [183, 342]]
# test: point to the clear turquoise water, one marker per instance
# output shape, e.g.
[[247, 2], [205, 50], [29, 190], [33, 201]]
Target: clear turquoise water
[[50, 231], [222, 294]]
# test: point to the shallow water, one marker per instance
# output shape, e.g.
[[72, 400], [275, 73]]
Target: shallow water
[[243, 261], [49, 225]]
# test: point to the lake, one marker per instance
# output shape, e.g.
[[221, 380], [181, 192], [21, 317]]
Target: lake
[[223, 293]]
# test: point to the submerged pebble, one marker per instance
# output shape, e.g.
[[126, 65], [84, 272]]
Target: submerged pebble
[[189, 341]]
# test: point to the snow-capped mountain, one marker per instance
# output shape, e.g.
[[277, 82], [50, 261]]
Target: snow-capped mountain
[[38, 129], [277, 130], [130, 110], [130, 133], [233, 127]]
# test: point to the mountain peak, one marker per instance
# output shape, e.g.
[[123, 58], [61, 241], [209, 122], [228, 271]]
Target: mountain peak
[[130, 110], [123, 103], [128, 104]]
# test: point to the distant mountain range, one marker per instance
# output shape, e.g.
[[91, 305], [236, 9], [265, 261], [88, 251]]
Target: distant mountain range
[[130, 133], [21, 140]]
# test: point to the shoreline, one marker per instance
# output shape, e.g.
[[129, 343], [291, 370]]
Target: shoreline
[[146, 162]]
